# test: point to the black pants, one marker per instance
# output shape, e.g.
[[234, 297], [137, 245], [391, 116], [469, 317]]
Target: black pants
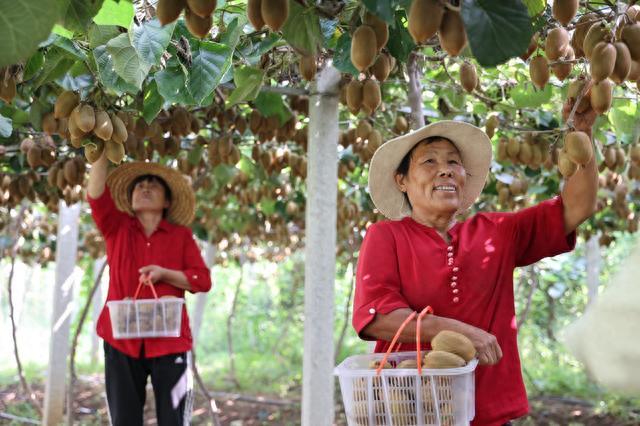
[[126, 380]]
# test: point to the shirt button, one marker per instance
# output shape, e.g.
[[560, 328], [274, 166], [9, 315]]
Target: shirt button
[[455, 291], [148, 244], [454, 278], [456, 269], [449, 248], [372, 311], [450, 254], [195, 277], [456, 299], [450, 263], [453, 285]]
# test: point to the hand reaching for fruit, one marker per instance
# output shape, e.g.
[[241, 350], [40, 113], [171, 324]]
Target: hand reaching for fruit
[[582, 121]]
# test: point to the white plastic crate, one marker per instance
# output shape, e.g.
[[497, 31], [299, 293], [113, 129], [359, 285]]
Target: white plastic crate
[[438, 397], [132, 319]]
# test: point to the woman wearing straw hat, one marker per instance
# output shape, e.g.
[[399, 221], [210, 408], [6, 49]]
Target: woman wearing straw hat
[[463, 270], [143, 212]]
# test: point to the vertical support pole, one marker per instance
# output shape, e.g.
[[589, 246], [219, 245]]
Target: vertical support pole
[[66, 253], [415, 92], [320, 251], [201, 298], [593, 268], [96, 308]]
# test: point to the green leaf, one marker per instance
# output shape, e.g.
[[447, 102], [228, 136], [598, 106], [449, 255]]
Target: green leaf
[[195, 155], [382, 9], [62, 31], [400, 43], [342, 55], [151, 39], [34, 64], [248, 82], [56, 64], [77, 14], [209, 65], [6, 126], [152, 102], [101, 34], [302, 29], [623, 116], [267, 206], [70, 47], [525, 95], [497, 29], [535, 7], [23, 25], [115, 13], [36, 110], [234, 30], [107, 74], [269, 103], [172, 85], [126, 61]]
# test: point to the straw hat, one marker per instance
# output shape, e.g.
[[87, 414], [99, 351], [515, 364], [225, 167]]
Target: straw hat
[[183, 200], [475, 149]]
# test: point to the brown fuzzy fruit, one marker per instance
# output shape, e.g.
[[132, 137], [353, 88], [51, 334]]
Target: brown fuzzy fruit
[[120, 133], [65, 103], [33, 156], [539, 71], [602, 96], [363, 47], [371, 96], [634, 71], [631, 36], [468, 76], [491, 125], [425, 18], [574, 90], [580, 32], [202, 8], [103, 128], [566, 167], [381, 67], [577, 147], [379, 27], [307, 66], [562, 71], [622, 66], [70, 172], [452, 36], [275, 13], [533, 45], [455, 343], [8, 89], [442, 359], [49, 124], [354, 96], [556, 43], [633, 12], [114, 151], [565, 10], [401, 125], [197, 25], [603, 60], [254, 13], [597, 32], [513, 148], [85, 118], [168, 11], [363, 129]]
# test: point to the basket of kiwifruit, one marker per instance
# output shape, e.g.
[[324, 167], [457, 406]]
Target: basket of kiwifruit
[[411, 388]]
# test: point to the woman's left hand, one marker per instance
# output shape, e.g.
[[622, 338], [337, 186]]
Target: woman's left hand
[[154, 273]]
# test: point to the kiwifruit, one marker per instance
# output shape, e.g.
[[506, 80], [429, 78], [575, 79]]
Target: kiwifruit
[[634, 71], [70, 172], [513, 148], [120, 133], [575, 88], [381, 67], [63, 127], [354, 96], [633, 13], [103, 128], [525, 154], [74, 131], [168, 11], [33, 156], [371, 96], [254, 13], [401, 125], [537, 157], [425, 18], [141, 128], [603, 59], [49, 124], [8, 89], [597, 32], [565, 10], [47, 156], [610, 159], [602, 96], [468, 76], [93, 151], [275, 13], [620, 157], [452, 35], [65, 103], [307, 66], [539, 71], [380, 28], [197, 25], [634, 153], [85, 118], [631, 36], [556, 43], [202, 8], [533, 45], [442, 359], [580, 32], [562, 71], [622, 65], [491, 125], [577, 147], [363, 129], [566, 167], [363, 47], [114, 151]]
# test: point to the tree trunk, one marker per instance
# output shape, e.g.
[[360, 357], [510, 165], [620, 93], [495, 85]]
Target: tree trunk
[[66, 252], [415, 92], [320, 252], [230, 318], [593, 269]]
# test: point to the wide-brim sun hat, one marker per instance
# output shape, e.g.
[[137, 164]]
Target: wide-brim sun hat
[[183, 200], [473, 144]]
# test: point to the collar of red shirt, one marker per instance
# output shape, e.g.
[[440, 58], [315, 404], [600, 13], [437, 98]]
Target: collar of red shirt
[[453, 231], [164, 225]]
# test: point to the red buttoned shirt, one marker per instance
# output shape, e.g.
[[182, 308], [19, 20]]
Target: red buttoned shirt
[[403, 264], [128, 249]]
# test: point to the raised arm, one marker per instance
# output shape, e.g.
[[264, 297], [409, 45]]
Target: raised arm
[[98, 177]]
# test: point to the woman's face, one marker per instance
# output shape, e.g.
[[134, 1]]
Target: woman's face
[[435, 178], [148, 195]]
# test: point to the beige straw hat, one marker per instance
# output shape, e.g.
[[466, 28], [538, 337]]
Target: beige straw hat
[[183, 200], [474, 146]]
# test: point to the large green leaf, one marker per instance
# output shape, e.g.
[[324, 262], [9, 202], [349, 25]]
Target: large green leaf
[[248, 82], [57, 63], [497, 29], [234, 30], [107, 73], [6, 126], [525, 95], [535, 7], [34, 64], [71, 48], [126, 61], [152, 102], [115, 12], [209, 65], [302, 29], [172, 85], [400, 43], [269, 103], [23, 25], [151, 39], [382, 9], [101, 34], [342, 55], [77, 14], [624, 117]]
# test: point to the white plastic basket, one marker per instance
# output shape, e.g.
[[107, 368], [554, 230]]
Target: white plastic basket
[[438, 397], [132, 319]]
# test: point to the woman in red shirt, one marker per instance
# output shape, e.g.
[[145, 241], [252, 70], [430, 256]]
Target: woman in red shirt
[[143, 210], [463, 270]]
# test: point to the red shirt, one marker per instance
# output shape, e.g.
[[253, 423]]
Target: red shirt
[[128, 249], [403, 264]]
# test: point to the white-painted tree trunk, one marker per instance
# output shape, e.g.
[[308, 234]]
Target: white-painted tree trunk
[[96, 308], [593, 268], [320, 252], [201, 298], [415, 92], [67, 250]]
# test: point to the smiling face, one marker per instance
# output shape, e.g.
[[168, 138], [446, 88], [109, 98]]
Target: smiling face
[[150, 194], [434, 178]]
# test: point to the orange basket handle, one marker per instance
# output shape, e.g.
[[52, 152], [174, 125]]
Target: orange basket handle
[[145, 279], [425, 311]]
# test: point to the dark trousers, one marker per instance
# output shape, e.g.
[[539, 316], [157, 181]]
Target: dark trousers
[[126, 380]]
